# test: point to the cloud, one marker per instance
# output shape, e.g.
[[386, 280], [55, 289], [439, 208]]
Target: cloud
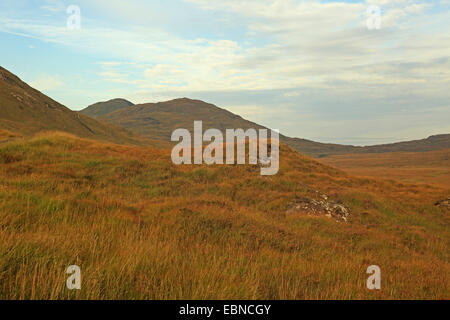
[[306, 40], [53, 6]]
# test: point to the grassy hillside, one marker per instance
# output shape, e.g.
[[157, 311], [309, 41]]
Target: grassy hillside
[[158, 120], [27, 111], [431, 167], [100, 108], [141, 227]]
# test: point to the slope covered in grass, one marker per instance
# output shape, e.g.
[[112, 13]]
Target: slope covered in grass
[[27, 111], [141, 227]]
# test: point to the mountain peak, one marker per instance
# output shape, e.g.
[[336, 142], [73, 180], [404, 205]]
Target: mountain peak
[[184, 100], [120, 100], [101, 108]]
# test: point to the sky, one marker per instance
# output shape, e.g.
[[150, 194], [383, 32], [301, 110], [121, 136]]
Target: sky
[[329, 71]]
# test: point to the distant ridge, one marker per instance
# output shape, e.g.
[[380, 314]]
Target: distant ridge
[[158, 120], [26, 111], [317, 149], [101, 108]]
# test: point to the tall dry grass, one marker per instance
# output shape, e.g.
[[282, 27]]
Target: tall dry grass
[[142, 228], [432, 167]]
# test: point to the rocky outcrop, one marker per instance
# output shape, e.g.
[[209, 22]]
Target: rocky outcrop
[[320, 206], [443, 203]]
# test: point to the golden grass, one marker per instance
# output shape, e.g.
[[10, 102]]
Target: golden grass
[[432, 167], [6, 136], [142, 228]]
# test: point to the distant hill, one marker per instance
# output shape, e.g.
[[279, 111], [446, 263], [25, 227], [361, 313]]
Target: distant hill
[[27, 111], [158, 120], [317, 149], [101, 108], [434, 142]]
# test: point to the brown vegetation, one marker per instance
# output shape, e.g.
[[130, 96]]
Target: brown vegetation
[[142, 228], [431, 167]]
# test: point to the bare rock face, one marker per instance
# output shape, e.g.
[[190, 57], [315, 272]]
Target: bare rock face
[[443, 203], [321, 206]]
